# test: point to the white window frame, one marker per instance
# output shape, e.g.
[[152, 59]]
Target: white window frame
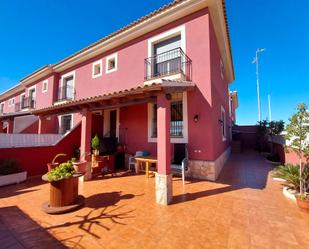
[[65, 76], [222, 69], [223, 123], [175, 140], [94, 64], [108, 58], [43, 83], [21, 99], [2, 104], [11, 102], [60, 123], [35, 93]]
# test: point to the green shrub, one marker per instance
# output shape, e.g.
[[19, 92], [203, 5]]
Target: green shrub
[[64, 170], [95, 143], [10, 166], [290, 173]]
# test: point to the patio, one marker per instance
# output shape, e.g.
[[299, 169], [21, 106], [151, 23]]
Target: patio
[[243, 209]]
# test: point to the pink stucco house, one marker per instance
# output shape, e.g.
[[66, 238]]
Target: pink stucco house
[[159, 81]]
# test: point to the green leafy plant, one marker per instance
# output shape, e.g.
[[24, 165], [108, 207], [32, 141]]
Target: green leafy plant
[[298, 136], [10, 166], [57, 156], [95, 143], [63, 171], [290, 173]]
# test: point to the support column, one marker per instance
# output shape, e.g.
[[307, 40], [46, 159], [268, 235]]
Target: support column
[[40, 125], [10, 127], [164, 186], [85, 143]]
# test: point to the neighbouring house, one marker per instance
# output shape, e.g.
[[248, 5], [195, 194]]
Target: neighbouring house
[[159, 81]]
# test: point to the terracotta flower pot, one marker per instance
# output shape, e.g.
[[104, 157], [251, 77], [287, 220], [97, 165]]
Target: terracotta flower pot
[[80, 166], [51, 166], [302, 204]]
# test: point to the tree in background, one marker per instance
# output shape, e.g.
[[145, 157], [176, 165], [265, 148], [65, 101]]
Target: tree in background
[[298, 136]]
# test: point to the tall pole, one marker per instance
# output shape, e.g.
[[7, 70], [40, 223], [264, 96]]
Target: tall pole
[[256, 61], [269, 108]]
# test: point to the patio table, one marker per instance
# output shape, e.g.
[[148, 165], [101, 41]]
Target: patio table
[[147, 160]]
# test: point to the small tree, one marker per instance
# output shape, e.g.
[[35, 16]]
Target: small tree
[[298, 135]]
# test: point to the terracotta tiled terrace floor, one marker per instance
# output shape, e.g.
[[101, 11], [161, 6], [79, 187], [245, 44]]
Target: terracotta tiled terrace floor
[[245, 208]]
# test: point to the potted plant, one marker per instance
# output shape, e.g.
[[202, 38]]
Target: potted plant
[[298, 136], [11, 172], [95, 144], [63, 189], [80, 165], [54, 164]]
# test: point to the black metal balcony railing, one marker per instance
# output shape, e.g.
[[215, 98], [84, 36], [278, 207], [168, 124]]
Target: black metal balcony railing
[[24, 104], [168, 63], [66, 93]]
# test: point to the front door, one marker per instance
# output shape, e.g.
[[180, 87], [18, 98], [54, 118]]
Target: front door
[[113, 123]]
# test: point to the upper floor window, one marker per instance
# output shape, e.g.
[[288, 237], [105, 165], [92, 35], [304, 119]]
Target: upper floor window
[[111, 63], [97, 69], [66, 90], [11, 102], [223, 124], [45, 86], [32, 95], [23, 102], [1, 108], [221, 69]]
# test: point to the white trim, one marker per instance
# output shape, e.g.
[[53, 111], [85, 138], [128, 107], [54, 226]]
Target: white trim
[[223, 124], [112, 56], [181, 30], [106, 121], [65, 76], [2, 104], [44, 82], [60, 123], [11, 102], [184, 139], [94, 64], [35, 94], [21, 100]]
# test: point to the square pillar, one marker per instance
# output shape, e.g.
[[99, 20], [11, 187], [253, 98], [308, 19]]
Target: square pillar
[[164, 186], [85, 143], [40, 125], [10, 126]]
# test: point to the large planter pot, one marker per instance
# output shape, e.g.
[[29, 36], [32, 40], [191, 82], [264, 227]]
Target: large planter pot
[[51, 166], [302, 204], [80, 166], [13, 178], [63, 195]]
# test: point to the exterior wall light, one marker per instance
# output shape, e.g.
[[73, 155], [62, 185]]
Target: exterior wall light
[[196, 118]]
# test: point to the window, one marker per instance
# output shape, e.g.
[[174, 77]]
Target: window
[[223, 124], [32, 97], [66, 90], [66, 124], [23, 101], [97, 69], [1, 108], [45, 86], [111, 63], [176, 117], [221, 69], [11, 101]]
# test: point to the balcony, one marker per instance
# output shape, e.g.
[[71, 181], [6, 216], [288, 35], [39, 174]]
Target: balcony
[[173, 64], [66, 93], [25, 104]]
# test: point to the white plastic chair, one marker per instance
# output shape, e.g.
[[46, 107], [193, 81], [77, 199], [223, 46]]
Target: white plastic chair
[[132, 159]]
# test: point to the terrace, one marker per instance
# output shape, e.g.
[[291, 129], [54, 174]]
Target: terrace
[[243, 209]]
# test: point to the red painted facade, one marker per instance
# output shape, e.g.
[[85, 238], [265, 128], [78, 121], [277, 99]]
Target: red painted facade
[[207, 100]]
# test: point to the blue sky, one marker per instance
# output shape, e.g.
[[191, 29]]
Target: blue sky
[[35, 33]]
